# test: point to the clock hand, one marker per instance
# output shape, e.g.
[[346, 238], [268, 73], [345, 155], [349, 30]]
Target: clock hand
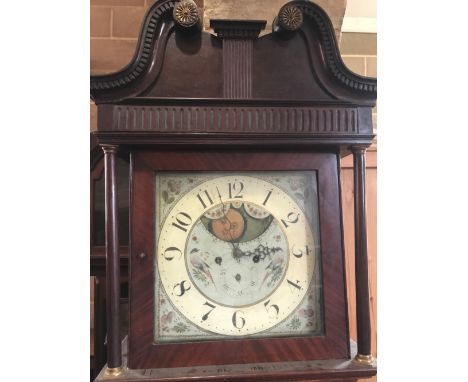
[[261, 252], [235, 248], [219, 194]]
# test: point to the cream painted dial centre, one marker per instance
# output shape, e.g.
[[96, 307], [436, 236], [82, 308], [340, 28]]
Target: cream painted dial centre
[[235, 255]]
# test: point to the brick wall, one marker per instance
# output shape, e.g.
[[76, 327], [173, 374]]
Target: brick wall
[[359, 53], [114, 30], [115, 24]]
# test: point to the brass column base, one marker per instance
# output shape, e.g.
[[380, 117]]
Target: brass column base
[[360, 359], [113, 371]]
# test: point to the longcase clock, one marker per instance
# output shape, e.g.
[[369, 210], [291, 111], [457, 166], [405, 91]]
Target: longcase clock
[[236, 239]]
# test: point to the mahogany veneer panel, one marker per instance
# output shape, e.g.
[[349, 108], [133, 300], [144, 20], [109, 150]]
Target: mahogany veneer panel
[[335, 370], [143, 353]]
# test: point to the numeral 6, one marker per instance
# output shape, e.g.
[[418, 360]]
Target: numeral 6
[[238, 321]]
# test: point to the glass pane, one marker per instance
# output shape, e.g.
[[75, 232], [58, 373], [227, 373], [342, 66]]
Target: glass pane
[[237, 254]]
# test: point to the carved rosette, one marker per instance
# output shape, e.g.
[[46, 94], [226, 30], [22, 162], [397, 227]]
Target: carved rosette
[[185, 13], [290, 18]]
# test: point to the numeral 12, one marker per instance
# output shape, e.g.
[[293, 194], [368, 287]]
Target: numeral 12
[[237, 188]]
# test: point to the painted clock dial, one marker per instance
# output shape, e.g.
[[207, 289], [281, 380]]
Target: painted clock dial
[[236, 254]]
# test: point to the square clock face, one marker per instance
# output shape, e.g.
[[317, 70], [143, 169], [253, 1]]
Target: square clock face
[[237, 254]]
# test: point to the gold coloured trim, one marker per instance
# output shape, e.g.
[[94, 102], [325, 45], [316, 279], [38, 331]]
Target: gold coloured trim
[[113, 371], [291, 18], [185, 13], [361, 359]]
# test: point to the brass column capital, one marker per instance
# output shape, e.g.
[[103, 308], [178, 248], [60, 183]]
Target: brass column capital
[[111, 149], [113, 371], [366, 360], [358, 149]]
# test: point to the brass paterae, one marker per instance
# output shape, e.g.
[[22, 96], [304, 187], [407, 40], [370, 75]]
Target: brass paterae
[[290, 18], [186, 13]]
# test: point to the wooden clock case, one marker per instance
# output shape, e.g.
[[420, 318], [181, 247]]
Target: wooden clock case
[[234, 101], [143, 353]]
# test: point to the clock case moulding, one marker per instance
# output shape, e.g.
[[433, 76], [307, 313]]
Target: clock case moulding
[[192, 92]]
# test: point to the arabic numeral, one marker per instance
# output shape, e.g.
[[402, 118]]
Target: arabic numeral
[[300, 252], [267, 197], [170, 253], [183, 220], [269, 307], [205, 316], [237, 320], [235, 190], [292, 218], [182, 288], [295, 284]]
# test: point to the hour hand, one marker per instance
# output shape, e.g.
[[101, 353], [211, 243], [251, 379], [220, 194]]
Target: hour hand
[[237, 253]]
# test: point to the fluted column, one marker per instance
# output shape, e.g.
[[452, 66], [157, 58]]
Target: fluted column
[[238, 39]]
